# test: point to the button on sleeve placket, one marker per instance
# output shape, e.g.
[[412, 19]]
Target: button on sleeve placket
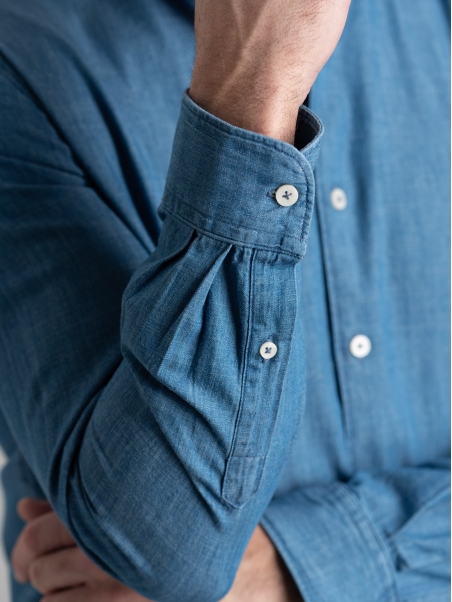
[[286, 195], [268, 350]]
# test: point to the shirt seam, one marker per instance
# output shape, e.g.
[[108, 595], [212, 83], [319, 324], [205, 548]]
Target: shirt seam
[[347, 501], [173, 192], [274, 249], [377, 537], [245, 355]]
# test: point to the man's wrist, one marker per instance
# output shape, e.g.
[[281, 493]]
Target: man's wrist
[[262, 575], [255, 106]]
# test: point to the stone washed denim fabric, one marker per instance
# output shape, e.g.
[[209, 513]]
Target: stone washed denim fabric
[[132, 392]]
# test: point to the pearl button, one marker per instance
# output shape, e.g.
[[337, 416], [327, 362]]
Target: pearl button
[[338, 199], [360, 346], [287, 195], [268, 350]]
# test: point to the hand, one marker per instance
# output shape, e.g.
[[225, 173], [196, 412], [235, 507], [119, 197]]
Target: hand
[[256, 60], [262, 575], [46, 555]]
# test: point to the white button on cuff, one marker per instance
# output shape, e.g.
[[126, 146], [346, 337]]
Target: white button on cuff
[[360, 346], [286, 195], [268, 350], [338, 199]]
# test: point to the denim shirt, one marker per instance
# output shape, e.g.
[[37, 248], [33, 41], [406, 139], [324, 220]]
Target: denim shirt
[[146, 265]]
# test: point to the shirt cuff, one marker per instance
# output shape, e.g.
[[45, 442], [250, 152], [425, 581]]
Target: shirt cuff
[[330, 545], [222, 181]]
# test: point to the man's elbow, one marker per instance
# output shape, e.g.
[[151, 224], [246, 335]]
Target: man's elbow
[[197, 566], [195, 580]]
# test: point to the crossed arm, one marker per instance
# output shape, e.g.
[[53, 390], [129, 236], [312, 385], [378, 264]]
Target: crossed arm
[[47, 556], [367, 516], [245, 50]]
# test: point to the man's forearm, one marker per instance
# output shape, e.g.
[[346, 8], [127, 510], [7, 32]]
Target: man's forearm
[[193, 411], [256, 61]]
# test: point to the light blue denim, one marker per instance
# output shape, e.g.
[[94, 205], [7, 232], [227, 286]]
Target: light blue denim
[[132, 392]]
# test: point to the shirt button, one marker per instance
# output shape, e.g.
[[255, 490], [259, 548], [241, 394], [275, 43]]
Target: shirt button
[[338, 199], [360, 346], [287, 195], [268, 350]]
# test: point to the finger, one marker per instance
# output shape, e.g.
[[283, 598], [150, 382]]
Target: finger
[[42, 535], [29, 508], [114, 592], [65, 568]]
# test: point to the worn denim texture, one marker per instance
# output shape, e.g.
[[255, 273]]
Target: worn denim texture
[[132, 392]]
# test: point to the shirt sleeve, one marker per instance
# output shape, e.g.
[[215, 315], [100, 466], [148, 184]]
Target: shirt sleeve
[[158, 428], [379, 536]]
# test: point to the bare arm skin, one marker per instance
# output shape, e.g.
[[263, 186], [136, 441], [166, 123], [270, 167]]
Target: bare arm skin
[[256, 60]]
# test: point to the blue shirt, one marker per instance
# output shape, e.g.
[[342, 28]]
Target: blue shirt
[[133, 393]]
